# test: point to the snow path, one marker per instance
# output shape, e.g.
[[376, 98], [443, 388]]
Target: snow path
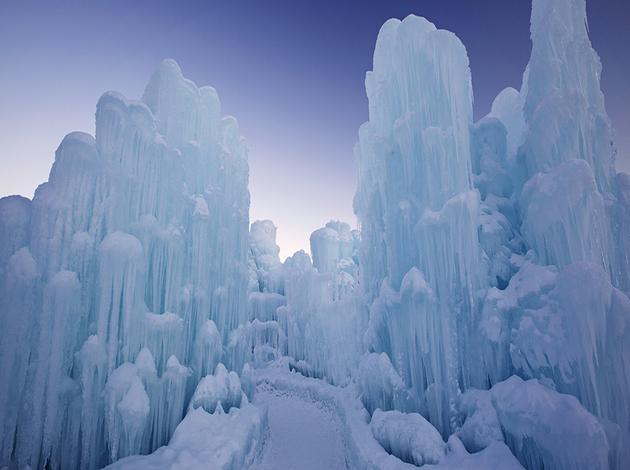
[[303, 435]]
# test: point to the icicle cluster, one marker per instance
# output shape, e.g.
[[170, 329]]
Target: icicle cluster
[[122, 278], [495, 250]]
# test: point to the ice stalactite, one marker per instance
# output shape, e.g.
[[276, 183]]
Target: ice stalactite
[[265, 264], [334, 243], [324, 312]]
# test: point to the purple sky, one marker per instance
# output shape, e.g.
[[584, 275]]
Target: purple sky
[[291, 71]]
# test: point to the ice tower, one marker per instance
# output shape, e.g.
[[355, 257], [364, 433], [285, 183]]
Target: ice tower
[[478, 242], [124, 274], [418, 209]]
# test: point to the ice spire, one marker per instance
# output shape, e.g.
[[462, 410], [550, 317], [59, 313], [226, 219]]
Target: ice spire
[[569, 151], [416, 205], [564, 104]]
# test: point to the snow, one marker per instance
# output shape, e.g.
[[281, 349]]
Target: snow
[[302, 434], [566, 435], [222, 389], [219, 441], [342, 417], [409, 437]]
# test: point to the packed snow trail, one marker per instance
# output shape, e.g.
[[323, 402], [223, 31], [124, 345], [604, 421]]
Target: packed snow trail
[[302, 434]]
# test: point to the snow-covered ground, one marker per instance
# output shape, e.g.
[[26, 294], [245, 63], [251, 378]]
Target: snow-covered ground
[[302, 435]]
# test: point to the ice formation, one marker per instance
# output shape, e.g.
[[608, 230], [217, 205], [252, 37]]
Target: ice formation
[[218, 441], [478, 319], [416, 203], [408, 436], [483, 279], [122, 277]]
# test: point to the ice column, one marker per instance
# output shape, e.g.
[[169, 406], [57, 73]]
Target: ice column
[[418, 211]]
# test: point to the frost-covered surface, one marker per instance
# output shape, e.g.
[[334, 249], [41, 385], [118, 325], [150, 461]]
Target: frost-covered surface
[[303, 434], [222, 389]]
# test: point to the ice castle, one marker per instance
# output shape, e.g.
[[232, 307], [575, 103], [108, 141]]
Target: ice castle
[[478, 319]]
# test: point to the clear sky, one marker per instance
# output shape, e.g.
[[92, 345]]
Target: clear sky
[[290, 71]]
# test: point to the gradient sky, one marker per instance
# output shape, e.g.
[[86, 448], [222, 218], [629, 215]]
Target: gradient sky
[[291, 72]]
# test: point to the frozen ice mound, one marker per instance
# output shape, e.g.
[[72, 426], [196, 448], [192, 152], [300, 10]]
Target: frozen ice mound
[[215, 441], [409, 437], [381, 386], [546, 429], [221, 389]]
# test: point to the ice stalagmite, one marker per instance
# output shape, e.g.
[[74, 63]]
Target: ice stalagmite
[[122, 278]]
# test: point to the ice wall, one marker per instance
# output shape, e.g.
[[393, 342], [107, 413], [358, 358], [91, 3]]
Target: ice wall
[[418, 211], [260, 339], [571, 206], [123, 277], [322, 319], [478, 242], [308, 311]]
